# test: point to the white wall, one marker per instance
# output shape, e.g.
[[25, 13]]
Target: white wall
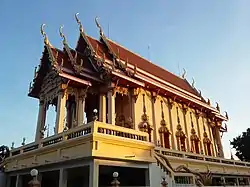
[[156, 175]]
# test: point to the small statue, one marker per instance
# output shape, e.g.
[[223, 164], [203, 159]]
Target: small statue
[[217, 106], [226, 115], [12, 145], [23, 143], [208, 102]]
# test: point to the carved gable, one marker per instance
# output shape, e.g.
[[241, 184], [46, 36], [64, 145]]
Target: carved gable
[[50, 86]]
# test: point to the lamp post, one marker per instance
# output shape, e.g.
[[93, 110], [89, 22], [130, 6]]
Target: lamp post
[[115, 182], [34, 182]]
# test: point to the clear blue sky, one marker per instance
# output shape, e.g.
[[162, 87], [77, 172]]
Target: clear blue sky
[[211, 39]]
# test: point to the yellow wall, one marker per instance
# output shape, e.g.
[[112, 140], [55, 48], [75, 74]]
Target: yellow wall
[[197, 123]]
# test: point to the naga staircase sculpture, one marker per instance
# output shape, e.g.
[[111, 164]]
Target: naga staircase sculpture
[[201, 179]]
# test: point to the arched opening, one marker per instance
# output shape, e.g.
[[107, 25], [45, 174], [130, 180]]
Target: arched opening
[[166, 140], [196, 146], [122, 110], [183, 143], [71, 111], [49, 119], [209, 152]]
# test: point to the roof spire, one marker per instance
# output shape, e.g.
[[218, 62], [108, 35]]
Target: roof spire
[[184, 74], [79, 22], [62, 35], [99, 26], [46, 40], [193, 82]]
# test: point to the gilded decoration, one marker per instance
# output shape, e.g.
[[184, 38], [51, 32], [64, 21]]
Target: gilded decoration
[[121, 90], [194, 136], [144, 125], [135, 93], [51, 86], [206, 140], [122, 121], [163, 128], [77, 67], [179, 133], [48, 46]]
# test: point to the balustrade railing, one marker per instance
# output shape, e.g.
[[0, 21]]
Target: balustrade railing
[[92, 128], [180, 154]]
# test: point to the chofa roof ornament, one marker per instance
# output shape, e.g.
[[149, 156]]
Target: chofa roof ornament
[[46, 40], [193, 83], [99, 26], [184, 74], [62, 35], [79, 22]]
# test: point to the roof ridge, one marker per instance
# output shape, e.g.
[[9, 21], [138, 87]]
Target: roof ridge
[[143, 58]]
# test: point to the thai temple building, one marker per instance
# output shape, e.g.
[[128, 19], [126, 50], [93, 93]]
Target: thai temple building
[[120, 118]]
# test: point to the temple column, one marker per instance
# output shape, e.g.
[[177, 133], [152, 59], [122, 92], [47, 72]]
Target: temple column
[[63, 177], [60, 116], [133, 98], [153, 99], [173, 139], [184, 112], [213, 147], [102, 108], [93, 174], [81, 108], [219, 143], [40, 120], [197, 116], [111, 107]]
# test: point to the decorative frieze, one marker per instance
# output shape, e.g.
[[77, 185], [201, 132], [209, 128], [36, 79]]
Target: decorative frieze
[[135, 93]]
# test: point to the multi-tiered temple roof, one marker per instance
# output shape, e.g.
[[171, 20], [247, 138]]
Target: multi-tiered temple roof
[[94, 61]]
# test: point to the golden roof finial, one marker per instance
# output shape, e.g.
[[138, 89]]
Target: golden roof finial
[[98, 25], [46, 40], [79, 22], [62, 35]]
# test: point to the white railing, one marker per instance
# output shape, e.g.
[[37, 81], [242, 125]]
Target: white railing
[[90, 129]]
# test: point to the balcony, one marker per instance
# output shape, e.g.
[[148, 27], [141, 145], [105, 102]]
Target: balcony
[[95, 139]]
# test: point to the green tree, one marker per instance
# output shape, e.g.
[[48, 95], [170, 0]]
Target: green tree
[[242, 144]]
